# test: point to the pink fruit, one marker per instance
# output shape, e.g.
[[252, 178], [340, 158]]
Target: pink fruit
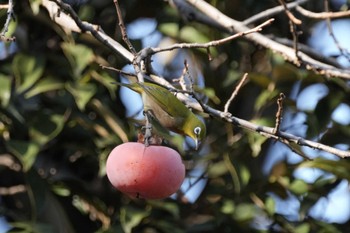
[[152, 172]]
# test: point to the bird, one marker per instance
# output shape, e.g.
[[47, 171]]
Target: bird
[[161, 105]]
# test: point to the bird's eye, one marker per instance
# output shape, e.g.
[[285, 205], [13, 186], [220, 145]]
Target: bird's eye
[[197, 130]]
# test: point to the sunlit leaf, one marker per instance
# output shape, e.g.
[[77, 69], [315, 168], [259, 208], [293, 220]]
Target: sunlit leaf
[[338, 168], [228, 207], [303, 228], [218, 169], [255, 142], [82, 93], [45, 85], [298, 187], [61, 190], [79, 57], [27, 70], [245, 175], [244, 212], [265, 97], [130, 218], [270, 206], [5, 90]]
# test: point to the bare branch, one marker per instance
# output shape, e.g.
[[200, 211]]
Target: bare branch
[[123, 28], [213, 43], [269, 132], [279, 113], [289, 14], [285, 51], [342, 51], [272, 11], [71, 21], [322, 15], [97, 32], [235, 92], [10, 15]]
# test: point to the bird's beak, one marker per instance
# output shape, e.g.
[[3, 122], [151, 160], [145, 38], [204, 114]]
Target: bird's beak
[[197, 142]]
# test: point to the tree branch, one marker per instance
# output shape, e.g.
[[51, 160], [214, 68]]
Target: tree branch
[[285, 51], [10, 15], [97, 32]]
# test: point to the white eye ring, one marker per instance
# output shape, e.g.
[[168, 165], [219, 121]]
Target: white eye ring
[[197, 130]]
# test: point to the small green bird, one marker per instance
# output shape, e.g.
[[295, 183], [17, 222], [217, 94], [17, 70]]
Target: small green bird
[[170, 112]]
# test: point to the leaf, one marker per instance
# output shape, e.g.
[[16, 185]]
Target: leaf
[[339, 168], [303, 228], [35, 5], [79, 57], [265, 98], [45, 127], [82, 93], [255, 142], [45, 85], [5, 90], [25, 151], [299, 187], [270, 206], [217, 169], [27, 70], [228, 207], [244, 212], [130, 218], [170, 207]]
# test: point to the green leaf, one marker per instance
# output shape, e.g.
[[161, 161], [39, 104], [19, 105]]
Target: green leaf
[[217, 169], [270, 206], [35, 5], [45, 85], [45, 127], [27, 70], [82, 93], [265, 98], [245, 175], [25, 151], [170, 207], [303, 228], [255, 142], [299, 187], [228, 207], [244, 212], [339, 168], [5, 90], [131, 218], [79, 57], [191, 34]]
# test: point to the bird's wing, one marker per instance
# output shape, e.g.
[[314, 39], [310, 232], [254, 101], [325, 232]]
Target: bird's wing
[[166, 100]]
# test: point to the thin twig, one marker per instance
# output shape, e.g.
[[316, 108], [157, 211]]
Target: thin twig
[[285, 51], [118, 70], [10, 15], [293, 21], [198, 105], [322, 15], [211, 43], [272, 11], [235, 92], [289, 14], [279, 113], [185, 79], [123, 28], [342, 51]]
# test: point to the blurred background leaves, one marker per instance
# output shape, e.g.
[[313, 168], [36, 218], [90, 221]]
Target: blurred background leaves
[[60, 116]]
